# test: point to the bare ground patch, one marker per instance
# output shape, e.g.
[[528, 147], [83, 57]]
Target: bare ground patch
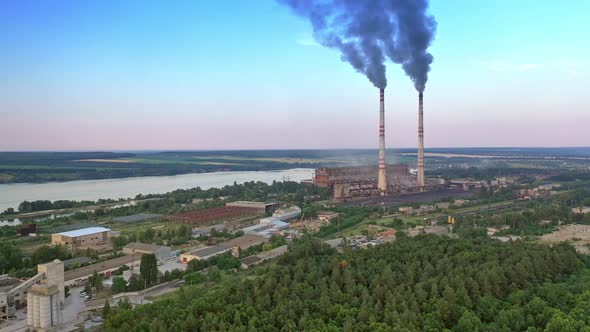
[[578, 234]]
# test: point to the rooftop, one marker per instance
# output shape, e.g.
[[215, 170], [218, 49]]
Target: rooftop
[[207, 251], [8, 283], [99, 267], [244, 241], [77, 260], [84, 231], [250, 203], [250, 260], [143, 246]]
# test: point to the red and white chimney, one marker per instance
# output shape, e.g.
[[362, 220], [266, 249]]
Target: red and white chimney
[[421, 179], [382, 183]]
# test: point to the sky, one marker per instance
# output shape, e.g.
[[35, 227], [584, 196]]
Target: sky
[[233, 74]]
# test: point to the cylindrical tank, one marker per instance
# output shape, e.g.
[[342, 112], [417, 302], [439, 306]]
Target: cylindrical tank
[[30, 310], [44, 312], [36, 316]]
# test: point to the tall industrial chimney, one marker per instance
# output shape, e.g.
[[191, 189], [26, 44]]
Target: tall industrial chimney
[[382, 184], [420, 142]]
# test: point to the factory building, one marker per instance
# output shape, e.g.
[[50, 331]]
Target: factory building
[[80, 275], [43, 294], [243, 242], [263, 256], [362, 181], [287, 214], [233, 246], [45, 300], [262, 207], [203, 253], [82, 238], [161, 252], [10, 300], [216, 215]]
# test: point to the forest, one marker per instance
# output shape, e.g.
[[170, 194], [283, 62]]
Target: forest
[[427, 283]]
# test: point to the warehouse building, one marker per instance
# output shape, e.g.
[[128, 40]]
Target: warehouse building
[[263, 257], [214, 215], [82, 238], [203, 253], [243, 242], [261, 207], [267, 228], [233, 245], [161, 252], [287, 214]]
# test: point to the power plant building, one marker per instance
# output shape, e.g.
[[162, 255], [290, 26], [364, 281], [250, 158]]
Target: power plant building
[[262, 207], [362, 181]]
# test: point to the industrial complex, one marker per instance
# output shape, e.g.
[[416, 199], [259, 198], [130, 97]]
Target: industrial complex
[[377, 180]]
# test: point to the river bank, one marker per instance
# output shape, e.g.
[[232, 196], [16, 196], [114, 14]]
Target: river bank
[[11, 195]]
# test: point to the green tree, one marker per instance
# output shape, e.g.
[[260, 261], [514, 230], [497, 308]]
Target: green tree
[[119, 285], [148, 270], [468, 323], [106, 309], [95, 281], [135, 283]]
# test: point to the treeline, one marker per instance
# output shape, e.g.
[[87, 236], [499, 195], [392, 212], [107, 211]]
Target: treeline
[[255, 191], [288, 191], [171, 236], [14, 262], [427, 283], [35, 167], [484, 173]]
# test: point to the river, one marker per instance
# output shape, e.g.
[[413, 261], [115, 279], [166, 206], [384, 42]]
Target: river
[[11, 195]]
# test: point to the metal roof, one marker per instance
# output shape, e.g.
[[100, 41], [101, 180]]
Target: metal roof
[[77, 260], [244, 241], [144, 247], [84, 231], [207, 251]]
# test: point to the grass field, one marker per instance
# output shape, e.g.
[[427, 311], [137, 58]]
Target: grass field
[[275, 160], [108, 160]]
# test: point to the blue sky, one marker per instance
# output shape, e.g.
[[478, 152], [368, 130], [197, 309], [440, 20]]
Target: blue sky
[[248, 75]]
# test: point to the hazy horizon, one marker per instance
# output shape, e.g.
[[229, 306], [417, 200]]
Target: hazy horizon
[[307, 149]]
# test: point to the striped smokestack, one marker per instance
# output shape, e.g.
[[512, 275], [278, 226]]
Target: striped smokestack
[[382, 184], [420, 142]]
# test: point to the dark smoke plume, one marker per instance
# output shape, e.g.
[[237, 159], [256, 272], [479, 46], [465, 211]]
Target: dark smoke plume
[[415, 33], [368, 31]]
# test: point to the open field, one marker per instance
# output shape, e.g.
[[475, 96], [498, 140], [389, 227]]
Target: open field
[[277, 160], [578, 234], [108, 160], [456, 155]]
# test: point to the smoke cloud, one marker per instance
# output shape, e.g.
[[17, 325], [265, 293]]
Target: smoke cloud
[[366, 32], [415, 33]]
